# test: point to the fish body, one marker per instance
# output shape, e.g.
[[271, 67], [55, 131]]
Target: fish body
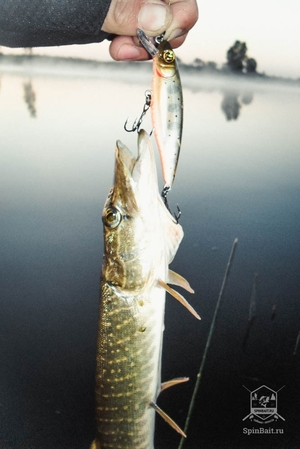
[[141, 239], [167, 109]]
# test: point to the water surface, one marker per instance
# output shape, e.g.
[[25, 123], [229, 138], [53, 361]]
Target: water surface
[[238, 176]]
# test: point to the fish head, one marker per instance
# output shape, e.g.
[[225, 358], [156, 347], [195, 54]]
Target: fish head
[[141, 236]]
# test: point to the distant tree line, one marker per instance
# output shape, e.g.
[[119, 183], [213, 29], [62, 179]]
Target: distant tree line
[[237, 61]]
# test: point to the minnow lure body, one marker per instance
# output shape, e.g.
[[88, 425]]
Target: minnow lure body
[[167, 110], [166, 105]]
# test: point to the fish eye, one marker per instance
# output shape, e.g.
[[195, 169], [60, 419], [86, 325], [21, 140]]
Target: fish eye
[[168, 56], [111, 217]]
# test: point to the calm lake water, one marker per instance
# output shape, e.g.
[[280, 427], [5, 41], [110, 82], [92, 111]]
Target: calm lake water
[[238, 177]]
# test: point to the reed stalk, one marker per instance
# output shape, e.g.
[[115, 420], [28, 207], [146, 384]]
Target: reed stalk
[[211, 331]]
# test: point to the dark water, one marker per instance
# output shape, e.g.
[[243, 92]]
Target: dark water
[[238, 177]]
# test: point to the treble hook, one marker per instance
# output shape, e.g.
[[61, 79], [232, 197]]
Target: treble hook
[[137, 123], [164, 194]]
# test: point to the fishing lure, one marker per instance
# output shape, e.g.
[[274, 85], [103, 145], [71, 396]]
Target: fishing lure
[[166, 105]]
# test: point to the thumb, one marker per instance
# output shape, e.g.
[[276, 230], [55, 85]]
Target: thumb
[[154, 18], [123, 18]]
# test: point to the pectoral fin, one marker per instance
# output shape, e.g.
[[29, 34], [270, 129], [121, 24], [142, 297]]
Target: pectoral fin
[[95, 445], [172, 382], [167, 419], [176, 279], [179, 298]]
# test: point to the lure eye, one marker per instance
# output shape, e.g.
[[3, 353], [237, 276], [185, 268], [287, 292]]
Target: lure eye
[[168, 56], [111, 217]]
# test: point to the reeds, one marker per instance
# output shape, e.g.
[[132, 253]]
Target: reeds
[[211, 331]]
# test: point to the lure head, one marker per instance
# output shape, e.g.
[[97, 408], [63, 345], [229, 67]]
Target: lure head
[[164, 55], [166, 60], [140, 234]]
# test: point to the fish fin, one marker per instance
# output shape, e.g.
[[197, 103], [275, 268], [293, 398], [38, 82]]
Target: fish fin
[[167, 419], [176, 279], [95, 445], [179, 298], [172, 382]]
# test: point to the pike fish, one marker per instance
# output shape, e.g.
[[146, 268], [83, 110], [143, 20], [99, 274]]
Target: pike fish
[[141, 238]]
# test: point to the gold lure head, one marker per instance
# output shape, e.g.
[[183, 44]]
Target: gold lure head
[[165, 60], [168, 55]]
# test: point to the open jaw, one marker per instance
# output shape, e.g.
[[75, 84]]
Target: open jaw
[[136, 181]]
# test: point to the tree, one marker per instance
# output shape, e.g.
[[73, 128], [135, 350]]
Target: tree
[[237, 59], [251, 65], [198, 63], [236, 56], [211, 65]]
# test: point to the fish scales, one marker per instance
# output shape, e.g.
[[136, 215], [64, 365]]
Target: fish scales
[[141, 239], [127, 367]]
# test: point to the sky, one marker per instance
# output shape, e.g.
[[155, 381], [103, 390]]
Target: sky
[[270, 28]]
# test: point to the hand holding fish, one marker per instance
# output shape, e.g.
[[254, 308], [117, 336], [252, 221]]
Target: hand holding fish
[[154, 18]]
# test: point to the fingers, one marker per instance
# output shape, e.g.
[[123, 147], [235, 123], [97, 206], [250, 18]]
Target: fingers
[[124, 17], [175, 43], [184, 17], [153, 17], [123, 48]]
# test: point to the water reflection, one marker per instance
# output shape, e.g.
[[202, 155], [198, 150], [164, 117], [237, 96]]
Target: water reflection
[[232, 103], [30, 98], [235, 93]]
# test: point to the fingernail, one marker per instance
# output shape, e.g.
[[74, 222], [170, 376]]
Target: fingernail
[[175, 33], [153, 17]]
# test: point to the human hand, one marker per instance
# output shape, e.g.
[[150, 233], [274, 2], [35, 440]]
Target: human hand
[[153, 17]]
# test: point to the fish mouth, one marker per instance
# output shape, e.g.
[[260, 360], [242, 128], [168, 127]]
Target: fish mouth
[[136, 183]]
